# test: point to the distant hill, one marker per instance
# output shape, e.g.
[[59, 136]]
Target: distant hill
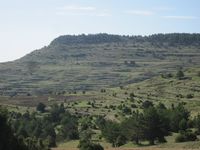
[[88, 39], [96, 61], [170, 39]]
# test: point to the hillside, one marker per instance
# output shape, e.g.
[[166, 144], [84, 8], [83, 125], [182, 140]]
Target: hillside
[[108, 89], [92, 62], [114, 103]]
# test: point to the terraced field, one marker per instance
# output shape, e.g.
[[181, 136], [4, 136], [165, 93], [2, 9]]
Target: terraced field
[[91, 66], [157, 89], [106, 77]]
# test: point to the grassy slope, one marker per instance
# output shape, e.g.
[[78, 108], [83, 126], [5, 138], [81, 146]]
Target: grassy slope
[[170, 145], [102, 66], [157, 90], [94, 66]]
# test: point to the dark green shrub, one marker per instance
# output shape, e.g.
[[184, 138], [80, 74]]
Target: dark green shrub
[[121, 140], [180, 74], [183, 125], [186, 136], [198, 74], [179, 96], [191, 136], [190, 96], [180, 138], [126, 110], [90, 146], [97, 147], [86, 143], [41, 107], [103, 90], [147, 104], [167, 75], [133, 106]]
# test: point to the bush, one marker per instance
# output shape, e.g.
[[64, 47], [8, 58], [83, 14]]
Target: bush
[[166, 76], [180, 138], [180, 74], [103, 91], [179, 96], [190, 96], [133, 106], [97, 147], [183, 125], [41, 107], [126, 110], [186, 136], [86, 143], [90, 146], [147, 104], [191, 136], [198, 74], [132, 95], [121, 140]]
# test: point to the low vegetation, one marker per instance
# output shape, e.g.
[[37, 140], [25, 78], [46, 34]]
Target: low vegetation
[[39, 130], [141, 91]]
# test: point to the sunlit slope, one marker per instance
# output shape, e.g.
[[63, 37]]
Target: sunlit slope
[[92, 62]]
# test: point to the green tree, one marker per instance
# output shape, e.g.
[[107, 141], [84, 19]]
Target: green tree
[[154, 125], [147, 104], [113, 133], [41, 107], [69, 127], [7, 138], [133, 128], [86, 143], [180, 74], [183, 125], [197, 122], [176, 115], [56, 112]]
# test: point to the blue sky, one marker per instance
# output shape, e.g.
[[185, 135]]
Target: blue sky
[[27, 25]]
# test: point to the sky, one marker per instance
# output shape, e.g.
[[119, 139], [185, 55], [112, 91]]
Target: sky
[[27, 25]]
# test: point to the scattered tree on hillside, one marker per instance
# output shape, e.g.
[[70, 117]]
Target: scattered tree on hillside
[[41, 107], [113, 134], [180, 74], [7, 138], [133, 128], [154, 125], [86, 143], [176, 115]]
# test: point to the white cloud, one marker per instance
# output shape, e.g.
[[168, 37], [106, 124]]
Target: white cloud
[[76, 10], [103, 14], [165, 8], [181, 17], [140, 12]]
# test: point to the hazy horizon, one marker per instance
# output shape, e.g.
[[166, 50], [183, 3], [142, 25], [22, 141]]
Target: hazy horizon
[[30, 25]]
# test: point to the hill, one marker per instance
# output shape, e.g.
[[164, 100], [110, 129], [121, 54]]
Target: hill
[[93, 62], [84, 80]]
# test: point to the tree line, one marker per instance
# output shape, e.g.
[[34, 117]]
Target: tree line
[[171, 39], [36, 131], [42, 130], [153, 124]]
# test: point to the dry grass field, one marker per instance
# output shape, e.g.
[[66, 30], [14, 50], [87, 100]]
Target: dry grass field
[[142, 148]]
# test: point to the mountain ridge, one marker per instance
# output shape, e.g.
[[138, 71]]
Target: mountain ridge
[[106, 38], [96, 61]]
